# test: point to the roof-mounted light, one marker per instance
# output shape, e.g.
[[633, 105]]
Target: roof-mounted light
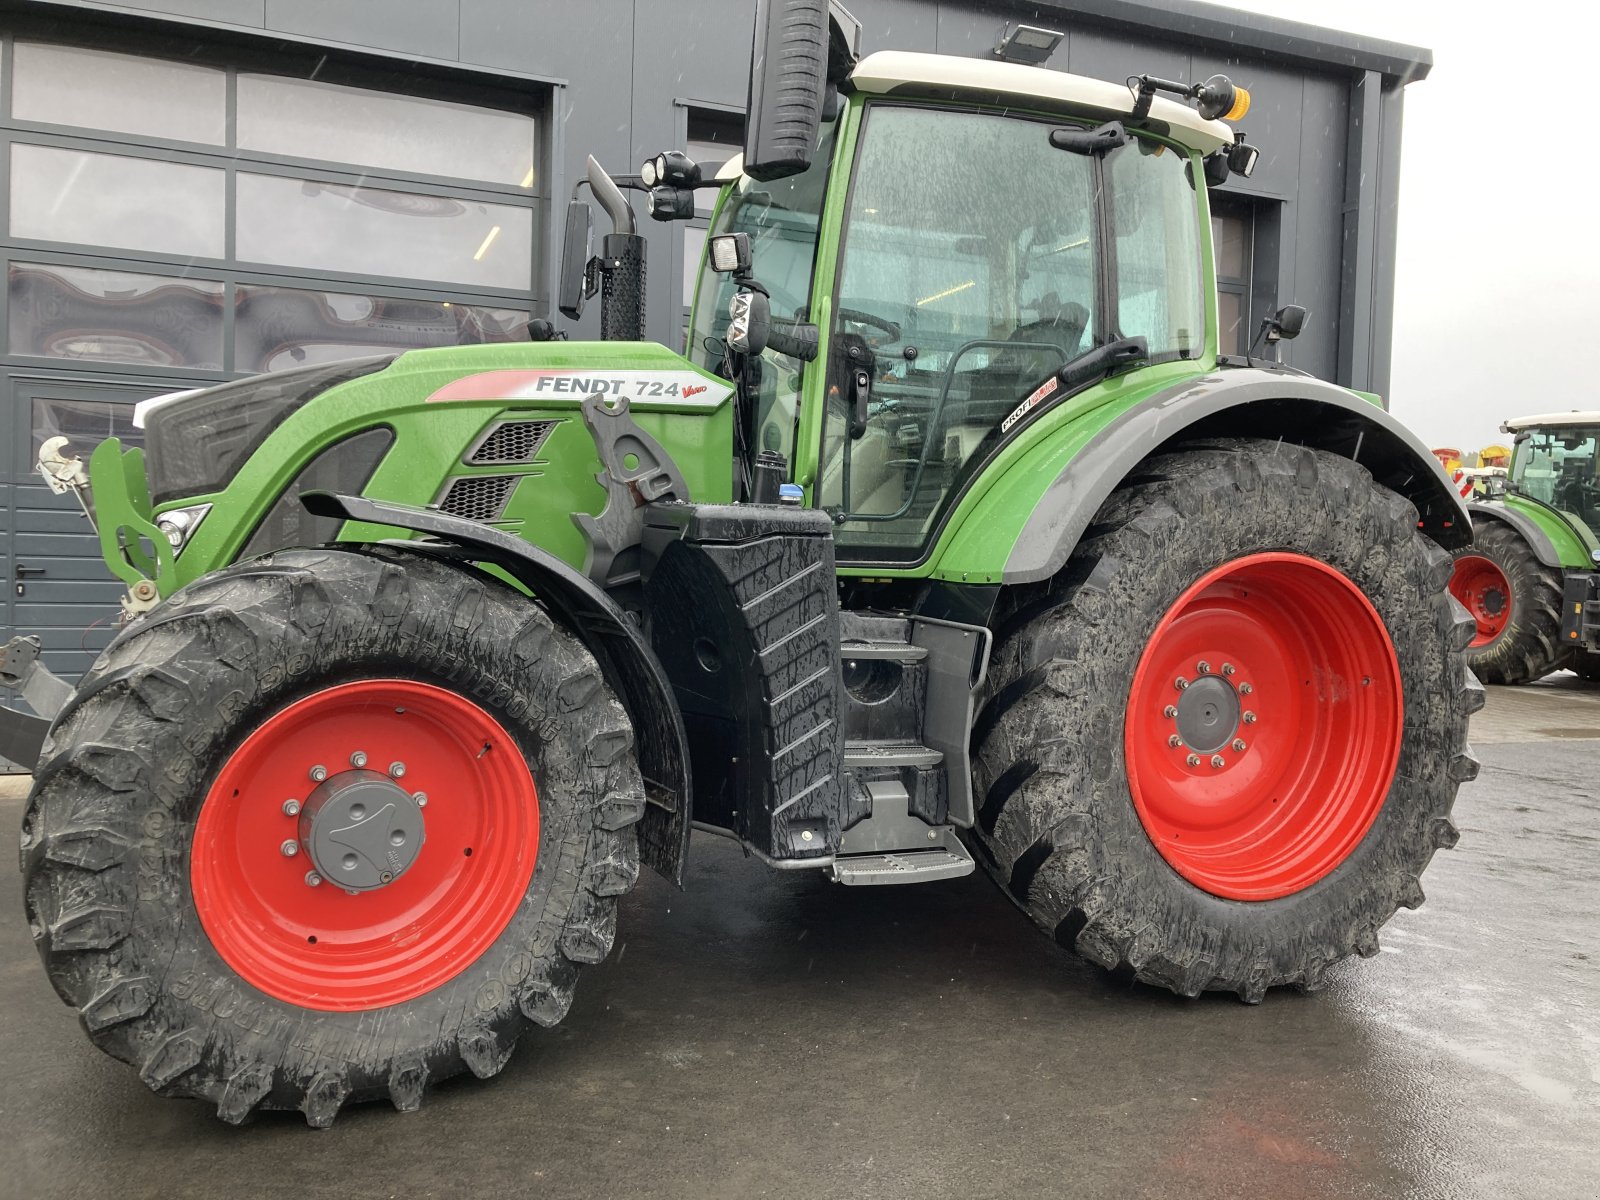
[[1219, 97]]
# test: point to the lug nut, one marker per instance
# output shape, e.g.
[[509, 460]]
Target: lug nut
[[1249, 718], [396, 770], [1180, 683], [291, 808], [290, 848], [1203, 667], [1227, 668], [313, 879], [358, 759], [421, 798], [1174, 741], [1193, 760], [1238, 744], [1217, 761], [319, 772], [1245, 689], [1169, 711]]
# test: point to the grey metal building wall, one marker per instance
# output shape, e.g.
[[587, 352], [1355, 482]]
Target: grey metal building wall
[[620, 73]]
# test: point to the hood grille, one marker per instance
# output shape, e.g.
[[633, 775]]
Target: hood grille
[[511, 442], [478, 497]]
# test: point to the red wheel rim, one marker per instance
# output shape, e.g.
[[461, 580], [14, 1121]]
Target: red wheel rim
[[1485, 592], [1263, 726], [317, 945]]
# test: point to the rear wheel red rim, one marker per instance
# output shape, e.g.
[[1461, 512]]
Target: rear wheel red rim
[[315, 944], [1264, 726], [1485, 592]]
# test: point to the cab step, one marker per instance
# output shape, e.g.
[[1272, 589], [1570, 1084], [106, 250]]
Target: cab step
[[890, 754], [903, 866]]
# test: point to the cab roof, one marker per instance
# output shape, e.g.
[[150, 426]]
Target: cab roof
[[946, 76], [1553, 420]]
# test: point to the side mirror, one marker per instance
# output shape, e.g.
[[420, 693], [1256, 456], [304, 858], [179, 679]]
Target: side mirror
[[576, 251], [800, 47]]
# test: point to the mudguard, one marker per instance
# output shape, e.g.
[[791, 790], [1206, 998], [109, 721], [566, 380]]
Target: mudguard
[[1230, 403], [629, 664], [1538, 541]]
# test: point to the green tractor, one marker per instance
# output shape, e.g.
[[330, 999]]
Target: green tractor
[[1531, 575], [952, 538]]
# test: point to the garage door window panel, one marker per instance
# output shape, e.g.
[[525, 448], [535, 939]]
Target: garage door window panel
[[119, 93], [277, 327], [301, 118], [95, 315], [82, 197], [377, 231]]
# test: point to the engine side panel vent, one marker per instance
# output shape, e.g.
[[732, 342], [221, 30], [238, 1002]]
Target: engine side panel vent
[[478, 497], [511, 442]]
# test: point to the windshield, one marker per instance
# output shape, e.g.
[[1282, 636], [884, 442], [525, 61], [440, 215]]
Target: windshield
[[972, 264], [1561, 468], [781, 218]]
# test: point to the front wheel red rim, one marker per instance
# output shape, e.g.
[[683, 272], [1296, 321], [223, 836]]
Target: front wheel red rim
[[1264, 726], [1485, 592], [469, 828]]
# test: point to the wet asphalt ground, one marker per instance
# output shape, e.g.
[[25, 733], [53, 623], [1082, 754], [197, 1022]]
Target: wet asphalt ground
[[774, 1035]]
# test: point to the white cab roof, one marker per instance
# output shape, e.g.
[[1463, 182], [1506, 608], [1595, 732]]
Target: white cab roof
[[891, 72], [1553, 420]]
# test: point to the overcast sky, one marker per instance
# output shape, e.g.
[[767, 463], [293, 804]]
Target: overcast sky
[[1497, 295]]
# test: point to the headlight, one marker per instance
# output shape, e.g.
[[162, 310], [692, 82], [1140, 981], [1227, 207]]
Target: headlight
[[179, 524]]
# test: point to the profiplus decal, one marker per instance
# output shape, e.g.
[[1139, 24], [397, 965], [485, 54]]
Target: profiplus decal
[[1042, 392], [639, 387]]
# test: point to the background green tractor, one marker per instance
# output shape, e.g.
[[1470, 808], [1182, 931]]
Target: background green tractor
[[1531, 575], [952, 537]]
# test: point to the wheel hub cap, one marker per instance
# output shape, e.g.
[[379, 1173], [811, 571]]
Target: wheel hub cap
[[361, 830], [1208, 714]]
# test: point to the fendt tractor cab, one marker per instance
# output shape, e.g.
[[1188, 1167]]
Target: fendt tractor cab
[[951, 537], [1531, 575]]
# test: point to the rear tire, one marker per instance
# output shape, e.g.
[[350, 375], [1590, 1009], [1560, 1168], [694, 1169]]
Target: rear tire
[[216, 986], [1515, 601], [1057, 767]]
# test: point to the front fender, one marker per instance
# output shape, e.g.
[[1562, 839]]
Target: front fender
[[626, 660], [1075, 472], [1538, 540]]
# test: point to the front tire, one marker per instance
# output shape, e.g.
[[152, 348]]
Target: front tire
[[204, 880], [1234, 840], [1515, 601]]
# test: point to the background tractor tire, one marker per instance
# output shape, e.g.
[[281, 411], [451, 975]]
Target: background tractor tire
[[154, 845], [1086, 777], [1515, 602]]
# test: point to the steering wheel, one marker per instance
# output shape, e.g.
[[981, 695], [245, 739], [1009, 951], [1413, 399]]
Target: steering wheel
[[856, 317]]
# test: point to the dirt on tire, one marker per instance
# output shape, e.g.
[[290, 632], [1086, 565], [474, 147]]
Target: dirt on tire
[[1057, 827], [106, 839]]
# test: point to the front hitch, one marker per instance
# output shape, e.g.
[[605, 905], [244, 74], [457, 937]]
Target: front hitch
[[22, 734]]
